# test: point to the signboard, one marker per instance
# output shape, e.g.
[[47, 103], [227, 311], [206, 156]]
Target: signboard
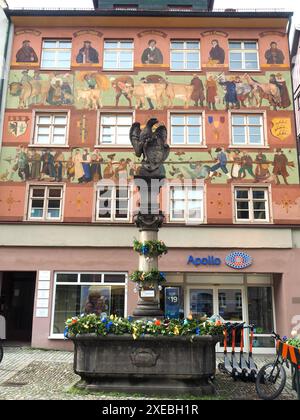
[[172, 302], [147, 293]]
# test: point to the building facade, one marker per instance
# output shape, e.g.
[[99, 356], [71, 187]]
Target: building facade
[[296, 79], [222, 86]]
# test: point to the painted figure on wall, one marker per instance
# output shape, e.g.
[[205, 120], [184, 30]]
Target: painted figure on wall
[[280, 166], [152, 54], [120, 84], [96, 83], [221, 163], [230, 98], [246, 166], [262, 172], [279, 81], [216, 54], [87, 54], [198, 95], [60, 92], [274, 55], [211, 92], [26, 54]]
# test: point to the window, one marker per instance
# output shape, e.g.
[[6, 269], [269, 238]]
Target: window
[[45, 203], [186, 129], [114, 129], [51, 129], [113, 203], [251, 204], [247, 130], [118, 55], [186, 204], [185, 55], [56, 54], [243, 55], [78, 293]]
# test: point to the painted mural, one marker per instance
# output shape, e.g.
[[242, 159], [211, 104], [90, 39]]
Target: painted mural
[[151, 90], [83, 165], [94, 90]]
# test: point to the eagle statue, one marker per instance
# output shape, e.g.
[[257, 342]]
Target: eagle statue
[[152, 145]]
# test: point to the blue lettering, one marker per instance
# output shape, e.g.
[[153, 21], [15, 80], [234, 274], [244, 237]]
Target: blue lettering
[[217, 261], [205, 261], [190, 260], [197, 261]]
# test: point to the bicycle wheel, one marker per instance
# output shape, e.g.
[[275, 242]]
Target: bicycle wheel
[[270, 381]]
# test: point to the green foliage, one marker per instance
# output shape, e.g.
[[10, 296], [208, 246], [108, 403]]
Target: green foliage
[[93, 324], [295, 342], [150, 249], [148, 278]]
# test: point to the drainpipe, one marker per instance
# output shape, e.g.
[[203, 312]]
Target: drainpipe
[[5, 74]]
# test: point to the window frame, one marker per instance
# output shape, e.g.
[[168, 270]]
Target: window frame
[[56, 49], [263, 130], [52, 114], [243, 51], [109, 112], [118, 50], [185, 219], [185, 115], [185, 52], [113, 206], [46, 187], [267, 200], [78, 283]]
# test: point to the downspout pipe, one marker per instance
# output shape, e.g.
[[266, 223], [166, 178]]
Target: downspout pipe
[[5, 73]]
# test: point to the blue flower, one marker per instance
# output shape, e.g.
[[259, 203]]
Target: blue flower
[[197, 331], [145, 250], [66, 330], [162, 274], [108, 325], [104, 320], [284, 338], [130, 318]]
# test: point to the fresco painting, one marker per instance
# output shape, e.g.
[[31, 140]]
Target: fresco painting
[[84, 165], [93, 90]]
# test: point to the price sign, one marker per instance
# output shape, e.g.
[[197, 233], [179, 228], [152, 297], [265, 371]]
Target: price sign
[[172, 302]]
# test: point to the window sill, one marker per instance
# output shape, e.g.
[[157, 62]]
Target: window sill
[[118, 70], [185, 70], [246, 146], [245, 222], [56, 68], [115, 146], [187, 146], [245, 71], [48, 146], [56, 337]]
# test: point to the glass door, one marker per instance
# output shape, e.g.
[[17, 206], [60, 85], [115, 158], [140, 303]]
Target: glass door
[[201, 302]]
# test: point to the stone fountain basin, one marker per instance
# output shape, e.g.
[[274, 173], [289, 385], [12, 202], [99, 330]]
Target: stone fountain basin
[[151, 365]]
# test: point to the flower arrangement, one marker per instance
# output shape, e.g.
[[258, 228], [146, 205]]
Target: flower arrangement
[[294, 341], [93, 324], [150, 249], [148, 279]]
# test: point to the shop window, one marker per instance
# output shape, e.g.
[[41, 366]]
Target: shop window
[[185, 55], [247, 130], [45, 203], [186, 204], [73, 298], [114, 129], [51, 129], [113, 203], [186, 130], [118, 55], [260, 308], [56, 54], [251, 204], [243, 55]]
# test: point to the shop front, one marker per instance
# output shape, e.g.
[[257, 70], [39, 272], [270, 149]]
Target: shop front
[[245, 298]]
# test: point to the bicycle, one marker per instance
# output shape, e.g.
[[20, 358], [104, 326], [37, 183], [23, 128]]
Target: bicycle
[[271, 378]]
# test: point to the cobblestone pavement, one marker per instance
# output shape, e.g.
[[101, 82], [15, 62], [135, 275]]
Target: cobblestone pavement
[[31, 374]]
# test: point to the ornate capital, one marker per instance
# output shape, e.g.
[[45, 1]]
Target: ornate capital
[[152, 222]]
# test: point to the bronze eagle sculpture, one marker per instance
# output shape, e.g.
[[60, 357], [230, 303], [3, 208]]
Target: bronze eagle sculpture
[[152, 145]]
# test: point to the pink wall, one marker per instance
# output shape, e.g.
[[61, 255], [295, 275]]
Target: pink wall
[[285, 263]]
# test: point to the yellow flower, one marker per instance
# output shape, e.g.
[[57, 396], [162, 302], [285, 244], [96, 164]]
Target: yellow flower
[[176, 331]]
